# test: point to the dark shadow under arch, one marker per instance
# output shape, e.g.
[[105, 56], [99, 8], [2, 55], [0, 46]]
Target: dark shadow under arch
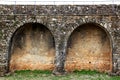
[[31, 47], [90, 48]]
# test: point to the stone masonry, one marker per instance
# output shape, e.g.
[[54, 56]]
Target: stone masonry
[[61, 20]]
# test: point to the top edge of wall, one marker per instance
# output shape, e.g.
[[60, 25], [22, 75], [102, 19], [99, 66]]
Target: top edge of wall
[[59, 3]]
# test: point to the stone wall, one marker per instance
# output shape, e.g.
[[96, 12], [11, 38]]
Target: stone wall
[[61, 21]]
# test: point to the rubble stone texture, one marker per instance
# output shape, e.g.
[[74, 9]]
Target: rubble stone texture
[[62, 21]]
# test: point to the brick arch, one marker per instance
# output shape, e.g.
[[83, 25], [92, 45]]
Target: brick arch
[[32, 46], [74, 40]]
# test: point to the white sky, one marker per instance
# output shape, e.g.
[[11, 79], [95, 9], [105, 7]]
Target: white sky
[[59, 2]]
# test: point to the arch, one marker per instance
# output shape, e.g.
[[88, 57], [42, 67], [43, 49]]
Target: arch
[[32, 47], [90, 48]]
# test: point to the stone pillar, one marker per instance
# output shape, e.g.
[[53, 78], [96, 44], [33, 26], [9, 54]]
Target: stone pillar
[[60, 57], [2, 70], [3, 64]]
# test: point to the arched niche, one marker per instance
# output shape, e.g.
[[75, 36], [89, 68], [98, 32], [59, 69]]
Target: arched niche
[[32, 47], [89, 48]]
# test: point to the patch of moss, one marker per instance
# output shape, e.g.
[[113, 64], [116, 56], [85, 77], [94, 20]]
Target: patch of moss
[[89, 72], [15, 23], [33, 71]]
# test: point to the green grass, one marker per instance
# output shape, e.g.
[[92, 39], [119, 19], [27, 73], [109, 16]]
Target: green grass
[[34, 72], [87, 72], [47, 75]]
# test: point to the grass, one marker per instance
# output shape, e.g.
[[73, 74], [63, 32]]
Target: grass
[[47, 75]]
